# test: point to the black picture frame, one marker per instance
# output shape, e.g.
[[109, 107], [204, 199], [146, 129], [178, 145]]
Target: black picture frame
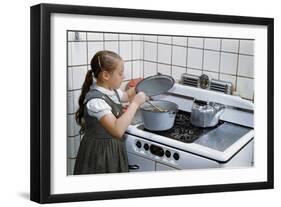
[[41, 95]]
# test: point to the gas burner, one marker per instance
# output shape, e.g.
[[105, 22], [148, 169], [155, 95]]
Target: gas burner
[[182, 130], [182, 119], [185, 134], [190, 132]]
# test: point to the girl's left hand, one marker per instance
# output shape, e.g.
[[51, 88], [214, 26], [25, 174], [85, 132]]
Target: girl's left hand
[[131, 93]]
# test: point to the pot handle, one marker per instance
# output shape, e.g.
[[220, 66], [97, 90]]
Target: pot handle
[[172, 113], [134, 167]]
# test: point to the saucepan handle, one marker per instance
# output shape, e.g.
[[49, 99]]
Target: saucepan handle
[[134, 167]]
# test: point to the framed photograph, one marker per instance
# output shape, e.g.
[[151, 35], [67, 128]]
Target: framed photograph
[[132, 103]]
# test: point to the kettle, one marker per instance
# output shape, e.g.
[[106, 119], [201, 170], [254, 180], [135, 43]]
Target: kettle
[[206, 114]]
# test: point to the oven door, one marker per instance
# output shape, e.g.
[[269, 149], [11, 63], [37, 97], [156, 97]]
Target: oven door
[[140, 164]]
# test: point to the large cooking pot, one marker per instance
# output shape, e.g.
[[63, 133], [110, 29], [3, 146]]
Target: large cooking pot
[[156, 120]]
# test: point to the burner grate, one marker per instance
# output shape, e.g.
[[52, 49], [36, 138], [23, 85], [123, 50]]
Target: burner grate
[[182, 130]]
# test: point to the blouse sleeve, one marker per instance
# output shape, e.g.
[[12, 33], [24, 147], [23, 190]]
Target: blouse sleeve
[[98, 108]]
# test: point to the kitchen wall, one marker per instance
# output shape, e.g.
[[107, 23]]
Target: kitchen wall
[[145, 55]]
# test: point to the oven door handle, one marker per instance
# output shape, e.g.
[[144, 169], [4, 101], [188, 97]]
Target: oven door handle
[[134, 167]]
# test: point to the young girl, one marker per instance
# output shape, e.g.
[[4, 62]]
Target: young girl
[[100, 116]]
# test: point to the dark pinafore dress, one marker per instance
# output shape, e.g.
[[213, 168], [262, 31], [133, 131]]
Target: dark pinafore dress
[[100, 152]]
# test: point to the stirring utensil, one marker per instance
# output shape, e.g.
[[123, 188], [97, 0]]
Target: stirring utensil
[[157, 107]]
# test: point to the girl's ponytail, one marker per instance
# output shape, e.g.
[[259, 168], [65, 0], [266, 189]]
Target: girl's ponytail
[[80, 112]]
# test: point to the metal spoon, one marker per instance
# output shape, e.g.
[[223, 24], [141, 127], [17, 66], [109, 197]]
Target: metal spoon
[[157, 107]]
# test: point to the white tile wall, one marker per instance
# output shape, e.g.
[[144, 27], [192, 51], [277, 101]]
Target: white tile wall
[[77, 53], [78, 78], [125, 37], [246, 66], [245, 87], [213, 44], [229, 45], [152, 38], [164, 53], [72, 127], [137, 69], [182, 41], [108, 36], [194, 72], [70, 166], [93, 48], [73, 146], [76, 98], [137, 37], [179, 56], [137, 50], [165, 39], [112, 46], [177, 72], [126, 50], [211, 75], [194, 58], [72, 36], [164, 69], [149, 69], [150, 51], [69, 79], [195, 42], [247, 47], [228, 63], [211, 60], [95, 36], [127, 70], [70, 102]]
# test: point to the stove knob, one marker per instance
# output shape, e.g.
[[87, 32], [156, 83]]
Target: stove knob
[[176, 156], [168, 153], [138, 144], [146, 146]]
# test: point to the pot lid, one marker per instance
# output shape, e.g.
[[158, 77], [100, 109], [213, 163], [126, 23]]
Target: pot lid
[[155, 85]]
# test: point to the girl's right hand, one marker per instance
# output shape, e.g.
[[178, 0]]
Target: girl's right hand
[[140, 98]]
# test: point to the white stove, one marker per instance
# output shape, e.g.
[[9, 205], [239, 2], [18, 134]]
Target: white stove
[[229, 144]]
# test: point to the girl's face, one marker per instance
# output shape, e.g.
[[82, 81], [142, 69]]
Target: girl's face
[[117, 76]]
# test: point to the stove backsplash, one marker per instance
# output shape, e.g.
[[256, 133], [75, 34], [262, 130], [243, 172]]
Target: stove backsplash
[[145, 55]]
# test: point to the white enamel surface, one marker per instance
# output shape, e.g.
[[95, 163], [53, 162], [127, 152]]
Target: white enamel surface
[[197, 93], [230, 114], [193, 147]]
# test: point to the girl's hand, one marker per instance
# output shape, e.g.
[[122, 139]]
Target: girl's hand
[[131, 92], [140, 98]]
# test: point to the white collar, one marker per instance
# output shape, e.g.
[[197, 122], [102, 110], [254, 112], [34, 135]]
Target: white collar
[[102, 89]]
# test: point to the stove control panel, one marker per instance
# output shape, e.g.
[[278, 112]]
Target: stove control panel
[[159, 151]]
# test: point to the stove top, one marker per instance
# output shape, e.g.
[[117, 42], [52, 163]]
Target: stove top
[[183, 130]]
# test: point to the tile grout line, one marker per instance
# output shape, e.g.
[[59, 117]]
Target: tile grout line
[[157, 54], [171, 63], [236, 78], [203, 55], [186, 60], [143, 50], [219, 76], [199, 48]]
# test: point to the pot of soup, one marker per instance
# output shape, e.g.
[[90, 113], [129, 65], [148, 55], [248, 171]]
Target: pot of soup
[[158, 115]]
